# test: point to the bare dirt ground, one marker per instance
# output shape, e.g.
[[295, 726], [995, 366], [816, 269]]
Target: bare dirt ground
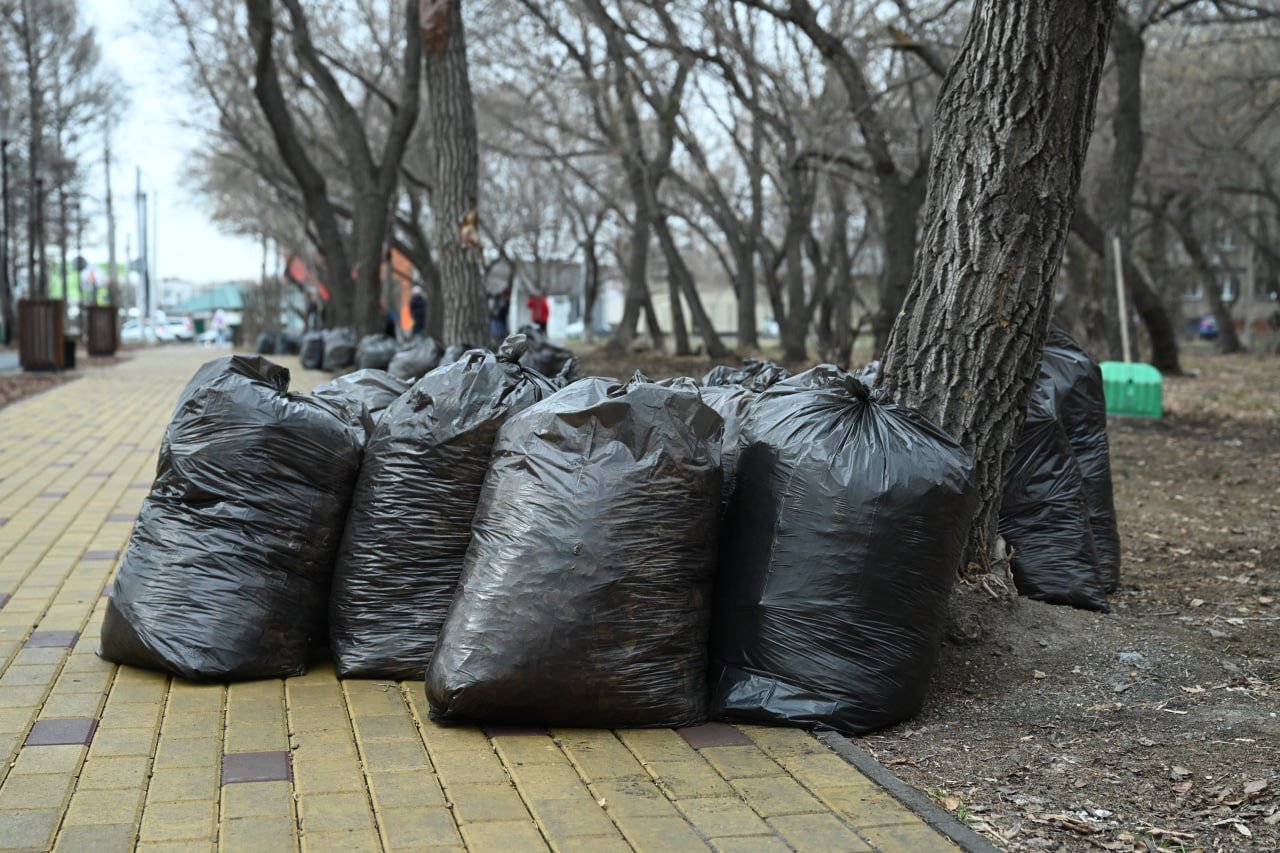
[[1154, 726]]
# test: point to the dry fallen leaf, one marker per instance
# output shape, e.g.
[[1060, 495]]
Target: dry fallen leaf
[[950, 803], [1255, 787], [1179, 772], [1197, 602], [1035, 673]]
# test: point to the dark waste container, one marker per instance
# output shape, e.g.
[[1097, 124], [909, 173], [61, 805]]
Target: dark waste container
[[69, 354]]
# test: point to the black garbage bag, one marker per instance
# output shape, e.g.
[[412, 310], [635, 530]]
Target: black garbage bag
[[268, 343], [842, 542], [754, 374], [312, 353], [416, 360], [869, 375], [227, 572], [375, 389], [731, 403], [339, 349], [1082, 408], [545, 357], [288, 343], [1043, 513], [410, 521], [585, 593], [375, 352], [455, 352]]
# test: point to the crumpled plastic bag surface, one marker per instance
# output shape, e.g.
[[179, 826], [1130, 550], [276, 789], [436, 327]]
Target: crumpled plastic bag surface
[[415, 360], [585, 594], [410, 520], [312, 352], [375, 389], [375, 352], [754, 374], [227, 572], [545, 357], [339, 349], [840, 549], [1077, 386], [1043, 514]]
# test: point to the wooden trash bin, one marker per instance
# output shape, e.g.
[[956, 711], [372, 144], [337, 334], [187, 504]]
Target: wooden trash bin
[[41, 334], [103, 327]]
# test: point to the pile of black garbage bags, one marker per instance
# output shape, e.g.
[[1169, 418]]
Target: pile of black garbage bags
[[751, 547], [1057, 512]]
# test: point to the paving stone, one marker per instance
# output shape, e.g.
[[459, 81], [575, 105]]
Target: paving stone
[[817, 832], [735, 762], [52, 639], [502, 837], [192, 821], [256, 767], [91, 808], [335, 812], [29, 829], [405, 788], [108, 838], [254, 834], [566, 817], [52, 732], [716, 817], [476, 803], [107, 773], [257, 799], [772, 796], [660, 834], [713, 734], [37, 791], [407, 828]]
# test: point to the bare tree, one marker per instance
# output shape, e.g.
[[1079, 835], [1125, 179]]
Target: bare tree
[[1011, 131]]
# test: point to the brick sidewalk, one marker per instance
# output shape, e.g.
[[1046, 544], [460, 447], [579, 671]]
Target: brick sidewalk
[[103, 758]]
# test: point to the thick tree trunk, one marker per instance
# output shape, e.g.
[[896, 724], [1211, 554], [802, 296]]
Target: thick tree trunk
[[36, 280], [900, 206], [1116, 205], [678, 327], [637, 296], [455, 165], [1011, 130], [1146, 301], [591, 271], [745, 260]]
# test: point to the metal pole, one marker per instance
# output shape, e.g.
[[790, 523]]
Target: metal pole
[[5, 280], [1124, 312]]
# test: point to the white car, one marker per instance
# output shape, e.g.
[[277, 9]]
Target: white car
[[177, 329]]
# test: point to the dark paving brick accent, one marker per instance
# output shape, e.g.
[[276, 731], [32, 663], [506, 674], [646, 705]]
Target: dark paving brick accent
[[100, 555], [515, 731], [52, 495], [713, 734], [59, 732], [3, 521], [4, 599], [257, 767], [51, 639]]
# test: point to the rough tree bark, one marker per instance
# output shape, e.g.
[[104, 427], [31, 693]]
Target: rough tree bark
[[455, 167], [1010, 135]]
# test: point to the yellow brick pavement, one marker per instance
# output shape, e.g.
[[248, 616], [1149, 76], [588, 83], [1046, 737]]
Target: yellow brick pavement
[[314, 763]]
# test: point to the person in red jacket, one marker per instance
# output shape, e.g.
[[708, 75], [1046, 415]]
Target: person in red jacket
[[539, 310]]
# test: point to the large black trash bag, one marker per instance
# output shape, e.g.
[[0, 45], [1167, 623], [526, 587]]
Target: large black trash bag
[[376, 389], [731, 403], [227, 573], [416, 360], [869, 375], [375, 352], [339, 349], [545, 357], [288, 343], [410, 520], [754, 374], [268, 343], [312, 353], [1043, 515], [1082, 408], [842, 542], [454, 352], [585, 594]]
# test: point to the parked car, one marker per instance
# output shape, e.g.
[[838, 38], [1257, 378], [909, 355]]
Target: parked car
[[164, 330], [1208, 327]]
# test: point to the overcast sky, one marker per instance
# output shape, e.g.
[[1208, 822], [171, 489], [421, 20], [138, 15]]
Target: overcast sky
[[189, 246]]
